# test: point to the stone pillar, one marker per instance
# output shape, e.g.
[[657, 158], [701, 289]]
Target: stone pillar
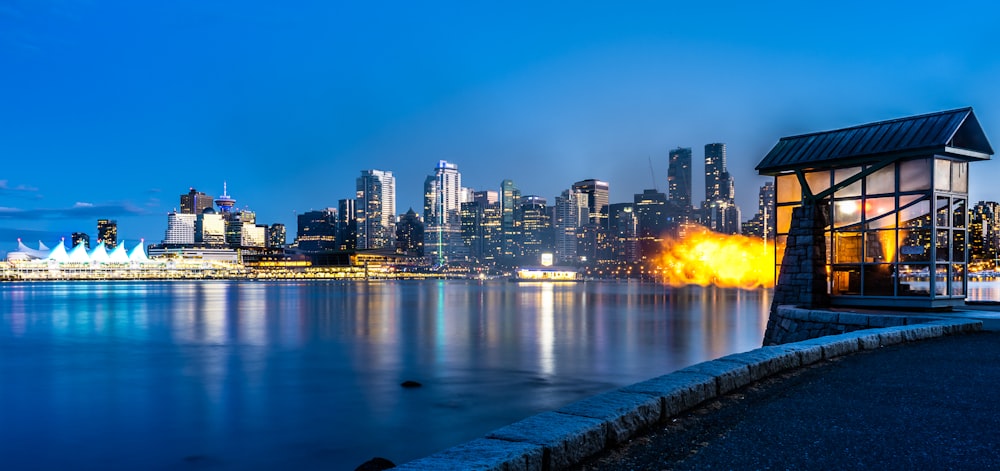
[[802, 280]]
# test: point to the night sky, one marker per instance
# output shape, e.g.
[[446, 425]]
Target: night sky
[[113, 108]]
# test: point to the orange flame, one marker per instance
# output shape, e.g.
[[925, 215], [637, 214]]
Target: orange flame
[[703, 257]]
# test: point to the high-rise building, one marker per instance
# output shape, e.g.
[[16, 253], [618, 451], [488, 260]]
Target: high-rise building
[[536, 229], [679, 180], [595, 195], [622, 232], [180, 229], [652, 222], [195, 202], [594, 245], [984, 234], [317, 230], [276, 235], [210, 228], [107, 232], [510, 221], [715, 166], [410, 234], [442, 215], [346, 224], [481, 227], [81, 238], [375, 209], [764, 221], [565, 224]]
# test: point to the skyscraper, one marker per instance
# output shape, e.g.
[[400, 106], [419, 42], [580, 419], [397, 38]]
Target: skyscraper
[[622, 230], [195, 202], [536, 229], [107, 232], [276, 235], [594, 245], [410, 234], [375, 209], [510, 221], [759, 224], [180, 229], [317, 230], [565, 224], [715, 166], [679, 179], [442, 214], [595, 194], [651, 211], [346, 225], [719, 211]]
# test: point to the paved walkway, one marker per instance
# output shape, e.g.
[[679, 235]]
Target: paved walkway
[[933, 404]]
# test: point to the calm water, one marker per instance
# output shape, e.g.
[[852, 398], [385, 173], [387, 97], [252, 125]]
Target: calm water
[[241, 375]]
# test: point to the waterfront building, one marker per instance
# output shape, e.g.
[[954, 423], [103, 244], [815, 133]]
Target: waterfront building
[[565, 223], [195, 202], [536, 230], [276, 235], [652, 222], [317, 230], [679, 180], [442, 215], [180, 229], [347, 225], [81, 238], [375, 209], [107, 232], [890, 199], [593, 243], [984, 235], [210, 228], [410, 234], [622, 233]]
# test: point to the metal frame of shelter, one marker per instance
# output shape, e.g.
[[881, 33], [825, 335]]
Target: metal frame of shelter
[[896, 198]]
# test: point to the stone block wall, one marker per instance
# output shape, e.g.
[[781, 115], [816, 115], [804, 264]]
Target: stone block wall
[[789, 324], [802, 280]]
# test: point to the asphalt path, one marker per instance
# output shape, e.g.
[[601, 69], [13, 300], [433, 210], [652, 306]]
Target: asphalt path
[[931, 404]]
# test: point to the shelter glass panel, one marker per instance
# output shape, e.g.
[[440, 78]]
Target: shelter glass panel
[[958, 212], [941, 207], [779, 252], [960, 177], [846, 279], [854, 189], [942, 241], [914, 245], [789, 190], [958, 280], [913, 280], [958, 245], [846, 212], [942, 175], [940, 280], [915, 175], [847, 247], [878, 280], [784, 218], [878, 207], [882, 181], [915, 214], [880, 246], [818, 181]]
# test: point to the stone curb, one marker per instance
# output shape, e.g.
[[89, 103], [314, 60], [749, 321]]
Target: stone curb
[[558, 439]]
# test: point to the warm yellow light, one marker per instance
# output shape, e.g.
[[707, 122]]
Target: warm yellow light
[[704, 258], [848, 207]]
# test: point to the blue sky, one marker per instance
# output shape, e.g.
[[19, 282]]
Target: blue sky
[[114, 108]]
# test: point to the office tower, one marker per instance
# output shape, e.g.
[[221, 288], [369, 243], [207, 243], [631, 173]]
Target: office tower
[[535, 228], [240, 228], [410, 234], [622, 230], [481, 227], [180, 229], [715, 166], [679, 180], [510, 221], [210, 228], [595, 194], [442, 215], [346, 224], [764, 221], [375, 209], [317, 230], [81, 238], [276, 235], [107, 232], [195, 202], [652, 222], [565, 223], [253, 235], [984, 234]]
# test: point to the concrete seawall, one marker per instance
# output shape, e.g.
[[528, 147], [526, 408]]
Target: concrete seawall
[[557, 439]]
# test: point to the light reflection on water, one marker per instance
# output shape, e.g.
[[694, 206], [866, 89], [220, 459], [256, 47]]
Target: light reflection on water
[[241, 375]]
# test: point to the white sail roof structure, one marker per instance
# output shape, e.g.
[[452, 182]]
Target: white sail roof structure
[[79, 254], [43, 248], [118, 255], [32, 253], [58, 254], [138, 254], [99, 255]]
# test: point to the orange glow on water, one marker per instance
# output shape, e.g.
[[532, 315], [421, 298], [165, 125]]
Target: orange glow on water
[[703, 257]]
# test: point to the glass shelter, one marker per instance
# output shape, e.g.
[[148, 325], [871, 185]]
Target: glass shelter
[[895, 196]]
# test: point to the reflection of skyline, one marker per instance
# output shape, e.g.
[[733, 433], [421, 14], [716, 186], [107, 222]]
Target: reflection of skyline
[[309, 361]]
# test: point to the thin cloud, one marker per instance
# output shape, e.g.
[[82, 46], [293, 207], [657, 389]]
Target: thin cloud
[[19, 191], [80, 210]]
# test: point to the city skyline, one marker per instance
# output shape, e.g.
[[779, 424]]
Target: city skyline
[[288, 104]]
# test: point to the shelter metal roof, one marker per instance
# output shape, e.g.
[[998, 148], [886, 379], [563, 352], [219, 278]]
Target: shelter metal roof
[[955, 132]]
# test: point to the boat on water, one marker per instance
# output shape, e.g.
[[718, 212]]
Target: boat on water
[[547, 273]]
